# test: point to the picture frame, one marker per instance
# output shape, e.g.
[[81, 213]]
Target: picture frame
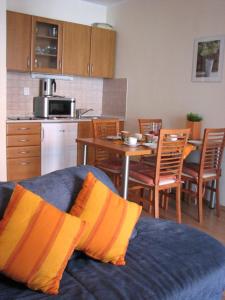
[[208, 59]]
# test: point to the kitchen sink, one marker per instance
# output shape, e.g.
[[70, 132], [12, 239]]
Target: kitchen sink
[[95, 117], [90, 117]]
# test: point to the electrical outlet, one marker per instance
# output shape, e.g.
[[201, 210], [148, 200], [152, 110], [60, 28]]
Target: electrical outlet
[[26, 91]]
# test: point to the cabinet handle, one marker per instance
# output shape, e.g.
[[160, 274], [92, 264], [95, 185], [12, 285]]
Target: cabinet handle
[[60, 64], [24, 163], [23, 128], [92, 68], [88, 69], [42, 134], [23, 140], [24, 152], [36, 62], [28, 62]]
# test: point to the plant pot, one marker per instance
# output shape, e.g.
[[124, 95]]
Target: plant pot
[[195, 127]]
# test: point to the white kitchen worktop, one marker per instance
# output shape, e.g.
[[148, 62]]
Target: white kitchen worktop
[[48, 121], [62, 120]]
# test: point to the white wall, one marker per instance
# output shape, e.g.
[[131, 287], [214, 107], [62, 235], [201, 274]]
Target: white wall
[[67, 10], [3, 90], [155, 51]]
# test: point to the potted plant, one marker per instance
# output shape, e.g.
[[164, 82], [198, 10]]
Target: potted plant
[[194, 123]]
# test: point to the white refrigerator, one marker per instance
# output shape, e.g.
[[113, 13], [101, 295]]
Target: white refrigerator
[[58, 146]]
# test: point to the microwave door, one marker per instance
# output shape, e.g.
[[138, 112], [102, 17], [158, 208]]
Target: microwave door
[[59, 108]]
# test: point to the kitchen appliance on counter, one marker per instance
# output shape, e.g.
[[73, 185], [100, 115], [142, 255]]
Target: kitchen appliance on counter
[[48, 105], [54, 107], [47, 87]]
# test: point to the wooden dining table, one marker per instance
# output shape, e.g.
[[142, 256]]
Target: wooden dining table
[[126, 151], [116, 146]]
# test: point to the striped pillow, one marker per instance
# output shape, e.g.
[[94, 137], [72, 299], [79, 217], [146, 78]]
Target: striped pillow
[[111, 220], [36, 241]]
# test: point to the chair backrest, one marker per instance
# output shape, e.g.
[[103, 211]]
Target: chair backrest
[[149, 125], [212, 151], [103, 128], [169, 157]]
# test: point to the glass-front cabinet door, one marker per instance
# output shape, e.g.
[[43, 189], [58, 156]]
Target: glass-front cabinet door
[[46, 45]]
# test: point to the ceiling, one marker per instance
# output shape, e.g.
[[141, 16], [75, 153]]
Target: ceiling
[[105, 2]]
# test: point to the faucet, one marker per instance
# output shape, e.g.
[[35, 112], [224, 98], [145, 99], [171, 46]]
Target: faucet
[[79, 112]]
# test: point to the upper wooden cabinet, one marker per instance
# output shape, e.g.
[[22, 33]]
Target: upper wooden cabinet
[[88, 51], [76, 49], [18, 41], [49, 46], [47, 38], [102, 52]]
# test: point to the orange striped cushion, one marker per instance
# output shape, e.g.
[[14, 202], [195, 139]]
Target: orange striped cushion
[[111, 220], [36, 241]]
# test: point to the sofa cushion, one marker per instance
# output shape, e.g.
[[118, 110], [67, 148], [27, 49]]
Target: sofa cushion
[[36, 241], [192, 170], [110, 220], [145, 174]]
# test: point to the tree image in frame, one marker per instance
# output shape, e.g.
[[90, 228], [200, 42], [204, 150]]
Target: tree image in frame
[[208, 53]]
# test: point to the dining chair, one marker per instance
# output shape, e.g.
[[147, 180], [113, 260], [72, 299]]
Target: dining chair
[[105, 160], [207, 171], [166, 173], [149, 126]]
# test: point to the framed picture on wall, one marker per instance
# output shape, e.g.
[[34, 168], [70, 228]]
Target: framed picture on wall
[[208, 59]]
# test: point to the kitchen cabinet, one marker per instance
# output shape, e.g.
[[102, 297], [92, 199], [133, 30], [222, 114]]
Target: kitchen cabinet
[[85, 131], [18, 41], [76, 49], [47, 39], [50, 46], [23, 150], [58, 146], [102, 53], [88, 51]]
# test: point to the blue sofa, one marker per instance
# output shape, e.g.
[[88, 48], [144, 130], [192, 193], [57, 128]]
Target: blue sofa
[[165, 260]]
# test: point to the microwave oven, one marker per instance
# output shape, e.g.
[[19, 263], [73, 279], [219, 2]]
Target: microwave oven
[[54, 107]]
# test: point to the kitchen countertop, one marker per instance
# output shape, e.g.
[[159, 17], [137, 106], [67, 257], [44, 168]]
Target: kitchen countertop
[[62, 120]]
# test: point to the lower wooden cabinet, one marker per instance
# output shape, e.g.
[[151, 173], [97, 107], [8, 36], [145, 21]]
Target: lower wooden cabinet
[[22, 168], [23, 150], [85, 131]]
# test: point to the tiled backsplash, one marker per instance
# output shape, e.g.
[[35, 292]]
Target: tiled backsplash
[[114, 97], [87, 91], [106, 96]]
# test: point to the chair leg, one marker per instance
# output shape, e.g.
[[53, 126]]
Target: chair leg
[[189, 189], [156, 202], [162, 196], [150, 201], [118, 181], [141, 196], [217, 198], [200, 206], [178, 205], [212, 188]]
